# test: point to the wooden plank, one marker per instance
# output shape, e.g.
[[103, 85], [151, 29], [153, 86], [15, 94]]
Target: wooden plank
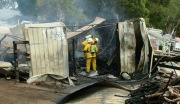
[[41, 50], [55, 51], [141, 61], [127, 46], [51, 53], [121, 37], [131, 47], [150, 69], [61, 55], [26, 37], [48, 55], [32, 50], [58, 56], [146, 45], [36, 46], [45, 25], [97, 21], [58, 70], [65, 60], [45, 49]]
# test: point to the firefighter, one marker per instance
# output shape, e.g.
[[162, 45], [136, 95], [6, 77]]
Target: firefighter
[[85, 42], [91, 50]]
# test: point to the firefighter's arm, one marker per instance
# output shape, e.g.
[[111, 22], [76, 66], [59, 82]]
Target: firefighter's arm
[[84, 43], [85, 48]]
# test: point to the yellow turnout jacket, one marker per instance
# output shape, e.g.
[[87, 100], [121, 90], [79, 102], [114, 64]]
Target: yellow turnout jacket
[[88, 51]]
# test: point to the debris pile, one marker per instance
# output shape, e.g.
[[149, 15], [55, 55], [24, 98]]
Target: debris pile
[[155, 92]]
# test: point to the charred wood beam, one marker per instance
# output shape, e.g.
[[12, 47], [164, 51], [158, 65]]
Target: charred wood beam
[[171, 83], [21, 42], [167, 84], [168, 58], [28, 59], [166, 92], [167, 66], [172, 101], [15, 61], [173, 92], [153, 95], [22, 53], [16, 51]]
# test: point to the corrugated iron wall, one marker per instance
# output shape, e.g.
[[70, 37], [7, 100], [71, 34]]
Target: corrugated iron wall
[[134, 46], [127, 46], [48, 49]]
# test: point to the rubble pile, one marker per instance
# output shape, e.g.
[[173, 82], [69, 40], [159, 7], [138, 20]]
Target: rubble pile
[[157, 92]]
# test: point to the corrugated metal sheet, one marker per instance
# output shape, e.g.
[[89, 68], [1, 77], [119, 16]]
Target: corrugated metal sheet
[[96, 22], [94, 93], [134, 46], [144, 61], [127, 46], [48, 48]]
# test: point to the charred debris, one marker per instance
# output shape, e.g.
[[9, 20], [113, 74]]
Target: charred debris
[[147, 57], [129, 54]]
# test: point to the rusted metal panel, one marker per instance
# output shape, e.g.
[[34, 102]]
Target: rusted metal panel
[[134, 46], [127, 46], [48, 48], [144, 60]]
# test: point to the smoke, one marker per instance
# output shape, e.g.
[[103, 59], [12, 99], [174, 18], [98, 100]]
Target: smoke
[[8, 17], [71, 12], [76, 12], [102, 8]]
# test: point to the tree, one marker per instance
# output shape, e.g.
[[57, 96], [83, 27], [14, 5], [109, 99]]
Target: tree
[[132, 9], [164, 14], [173, 14], [158, 13]]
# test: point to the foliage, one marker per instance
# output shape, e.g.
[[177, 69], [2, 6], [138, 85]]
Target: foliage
[[173, 14], [132, 8], [164, 14], [157, 12]]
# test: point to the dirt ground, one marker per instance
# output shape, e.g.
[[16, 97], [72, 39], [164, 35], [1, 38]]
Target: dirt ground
[[22, 93]]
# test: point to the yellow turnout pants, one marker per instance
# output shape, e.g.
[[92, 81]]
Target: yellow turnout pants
[[88, 64]]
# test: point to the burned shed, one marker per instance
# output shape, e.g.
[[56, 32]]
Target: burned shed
[[134, 46], [40, 49], [123, 46], [47, 48]]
